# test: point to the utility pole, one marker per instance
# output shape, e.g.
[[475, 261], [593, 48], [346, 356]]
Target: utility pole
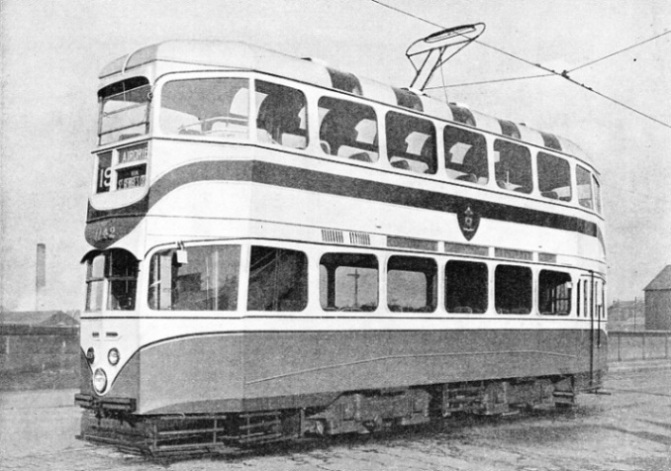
[[356, 277]]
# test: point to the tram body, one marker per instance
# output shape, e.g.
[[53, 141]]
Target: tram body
[[272, 236]]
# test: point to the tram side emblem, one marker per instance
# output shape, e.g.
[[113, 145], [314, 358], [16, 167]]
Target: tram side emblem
[[469, 220]]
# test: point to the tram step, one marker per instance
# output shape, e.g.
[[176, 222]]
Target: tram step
[[459, 400], [190, 431], [263, 438], [563, 394], [252, 415]]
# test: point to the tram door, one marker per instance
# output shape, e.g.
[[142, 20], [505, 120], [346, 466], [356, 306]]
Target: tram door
[[592, 308]]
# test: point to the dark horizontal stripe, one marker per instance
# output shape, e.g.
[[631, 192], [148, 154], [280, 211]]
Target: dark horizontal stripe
[[341, 185]]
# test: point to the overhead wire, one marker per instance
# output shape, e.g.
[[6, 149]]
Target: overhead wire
[[551, 72], [499, 50], [619, 51], [484, 82], [617, 102]]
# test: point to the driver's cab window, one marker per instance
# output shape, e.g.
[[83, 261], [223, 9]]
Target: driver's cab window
[[213, 108]]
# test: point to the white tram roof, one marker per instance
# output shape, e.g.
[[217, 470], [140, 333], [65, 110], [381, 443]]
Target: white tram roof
[[228, 55]]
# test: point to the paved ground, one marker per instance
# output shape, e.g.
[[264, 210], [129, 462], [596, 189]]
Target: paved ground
[[629, 430]]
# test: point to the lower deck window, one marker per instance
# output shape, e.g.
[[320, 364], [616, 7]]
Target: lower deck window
[[348, 282], [554, 293], [512, 289], [411, 284], [466, 287], [202, 278], [278, 280]]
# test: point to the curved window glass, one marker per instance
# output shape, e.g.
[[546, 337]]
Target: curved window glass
[[210, 107], [348, 129], [201, 278], [554, 293], [584, 182], [597, 194], [465, 155], [124, 110], [554, 177], [411, 143], [512, 164]]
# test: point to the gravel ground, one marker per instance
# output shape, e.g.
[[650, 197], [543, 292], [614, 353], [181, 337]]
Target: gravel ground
[[629, 430]]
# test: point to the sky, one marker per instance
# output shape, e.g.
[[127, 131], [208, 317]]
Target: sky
[[51, 53]]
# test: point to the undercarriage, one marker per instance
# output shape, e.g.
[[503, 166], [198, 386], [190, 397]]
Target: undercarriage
[[359, 412]]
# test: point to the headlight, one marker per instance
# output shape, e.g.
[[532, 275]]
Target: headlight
[[113, 356], [90, 355], [99, 380]]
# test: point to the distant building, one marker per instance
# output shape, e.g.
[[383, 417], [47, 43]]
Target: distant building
[[626, 315], [41, 318], [658, 301]]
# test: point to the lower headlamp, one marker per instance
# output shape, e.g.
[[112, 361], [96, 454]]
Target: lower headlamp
[[99, 380]]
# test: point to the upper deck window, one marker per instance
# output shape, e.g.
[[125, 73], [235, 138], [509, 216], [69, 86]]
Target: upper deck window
[[124, 110], [597, 194], [512, 164], [411, 143], [281, 115], [466, 155], [348, 129], [209, 107], [583, 180], [554, 177]]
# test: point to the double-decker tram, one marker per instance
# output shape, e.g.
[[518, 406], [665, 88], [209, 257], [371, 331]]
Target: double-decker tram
[[282, 249]]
